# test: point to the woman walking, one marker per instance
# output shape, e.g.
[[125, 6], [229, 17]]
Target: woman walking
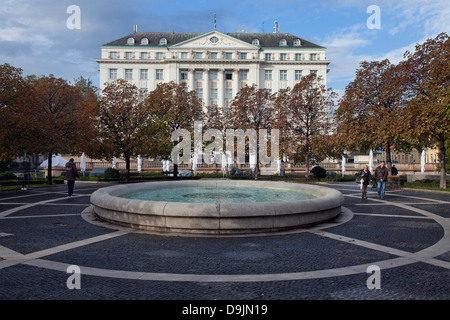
[[71, 175], [366, 177]]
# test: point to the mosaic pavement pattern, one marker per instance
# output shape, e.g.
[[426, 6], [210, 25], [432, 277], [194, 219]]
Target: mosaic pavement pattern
[[406, 237]]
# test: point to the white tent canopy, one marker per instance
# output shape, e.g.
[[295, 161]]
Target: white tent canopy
[[252, 161], [224, 162], [83, 163], [166, 165], [422, 161], [230, 160], [57, 161], [195, 163], [139, 161], [371, 161], [278, 166]]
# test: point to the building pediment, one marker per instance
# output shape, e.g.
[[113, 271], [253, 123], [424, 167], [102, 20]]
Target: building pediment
[[214, 39]]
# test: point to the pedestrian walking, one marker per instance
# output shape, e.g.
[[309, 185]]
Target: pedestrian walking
[[366, 177], [394, 171], [381, 175], [71, 175]]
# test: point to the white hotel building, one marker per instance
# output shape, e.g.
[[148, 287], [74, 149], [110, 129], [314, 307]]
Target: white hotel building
[[216, 65]]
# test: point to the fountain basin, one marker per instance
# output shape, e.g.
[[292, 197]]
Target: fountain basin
[[217, 218]]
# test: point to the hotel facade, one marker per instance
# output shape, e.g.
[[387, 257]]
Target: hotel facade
[[215, 65]]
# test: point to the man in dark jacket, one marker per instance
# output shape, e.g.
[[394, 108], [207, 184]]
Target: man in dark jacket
[[381, 176], [394, 171], [71, 175]]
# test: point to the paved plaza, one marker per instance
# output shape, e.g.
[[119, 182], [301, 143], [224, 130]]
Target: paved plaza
[[401, 245]]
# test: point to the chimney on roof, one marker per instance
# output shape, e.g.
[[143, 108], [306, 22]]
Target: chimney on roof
[[276, 28], [135, 28]]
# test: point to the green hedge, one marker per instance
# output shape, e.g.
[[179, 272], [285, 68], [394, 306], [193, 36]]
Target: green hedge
[[7, 175], [319, 172], [111, 173], [426, 184]]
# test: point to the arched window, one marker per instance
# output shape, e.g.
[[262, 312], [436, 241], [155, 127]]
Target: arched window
[[130, 41], [283, 43], [297, 43], [162, 41], [255, 42], [144, 42]]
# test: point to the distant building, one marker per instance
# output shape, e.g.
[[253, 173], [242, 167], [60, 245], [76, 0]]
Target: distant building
[[216, 65], [412, 157]]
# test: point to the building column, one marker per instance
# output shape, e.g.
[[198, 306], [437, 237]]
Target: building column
[[151, 82], [191, 79], [254, 77], [235, 82], [206, 87], [221, 88]]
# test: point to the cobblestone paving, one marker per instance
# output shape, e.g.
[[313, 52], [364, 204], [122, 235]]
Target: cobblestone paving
[[42, 233]]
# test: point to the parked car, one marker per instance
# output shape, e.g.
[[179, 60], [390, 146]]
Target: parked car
[[236, 171], [184, 173], [97, 172]]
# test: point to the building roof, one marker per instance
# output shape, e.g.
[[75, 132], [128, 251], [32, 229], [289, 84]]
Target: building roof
[[266, 40]]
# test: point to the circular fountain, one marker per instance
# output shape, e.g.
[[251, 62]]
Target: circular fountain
[[216, 207]]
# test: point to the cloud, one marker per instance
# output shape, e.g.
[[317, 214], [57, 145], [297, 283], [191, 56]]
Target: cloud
[[342, 46], [34, 36], [347, 38], [431, 16], [403, 25]]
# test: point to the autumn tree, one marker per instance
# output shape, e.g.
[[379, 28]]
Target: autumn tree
[[252, 109], [12, 87], [215, 121], [87, 115], [215, 117], [122, 124], [302, 115], [170, 107], [371, 113], [48, 108], [44, 115], [427, 91]]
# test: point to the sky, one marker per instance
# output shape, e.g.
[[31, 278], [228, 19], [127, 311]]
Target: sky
[[37, 35]]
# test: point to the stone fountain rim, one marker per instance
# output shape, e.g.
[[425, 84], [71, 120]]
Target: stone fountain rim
[[108, 198]]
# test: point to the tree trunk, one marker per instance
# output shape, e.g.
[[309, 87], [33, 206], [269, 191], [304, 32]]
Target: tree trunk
[[442, 162], [49, 168], [257, 170], [388, 158], [127, 163], [257, 162]]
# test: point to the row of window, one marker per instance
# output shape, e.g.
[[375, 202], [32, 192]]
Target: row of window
[[297, 56], [143, 74], [255, 42], [268, 74], [213, 74], [144, 41], [215, 55], [214, 93], [281, 43]]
